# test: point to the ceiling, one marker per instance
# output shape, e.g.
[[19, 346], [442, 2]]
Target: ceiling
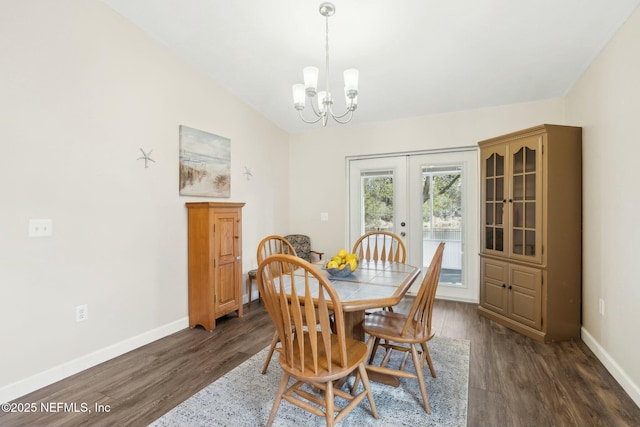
[[416, 57]]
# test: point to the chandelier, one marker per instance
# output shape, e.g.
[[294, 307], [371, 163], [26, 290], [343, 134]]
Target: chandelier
[[323, 106]]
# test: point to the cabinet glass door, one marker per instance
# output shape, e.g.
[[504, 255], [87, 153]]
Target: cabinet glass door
[[494, 199], [525, 200]]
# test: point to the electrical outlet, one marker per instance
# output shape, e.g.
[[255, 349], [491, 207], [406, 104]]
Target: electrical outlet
[[601, 307], [82, 313], [40, 227]]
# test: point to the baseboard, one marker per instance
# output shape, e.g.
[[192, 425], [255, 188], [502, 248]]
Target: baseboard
[[57, 373], [612, 366]]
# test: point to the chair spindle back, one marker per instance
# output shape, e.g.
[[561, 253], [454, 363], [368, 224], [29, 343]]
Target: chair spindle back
[[300, 301], [380, 246], [420, 314]]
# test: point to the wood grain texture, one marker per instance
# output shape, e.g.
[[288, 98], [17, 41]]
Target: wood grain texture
[[513, 380]]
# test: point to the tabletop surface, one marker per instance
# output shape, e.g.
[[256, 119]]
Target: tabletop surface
[[374, 284]]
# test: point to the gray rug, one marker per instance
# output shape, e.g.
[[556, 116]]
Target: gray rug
[[243, 397]]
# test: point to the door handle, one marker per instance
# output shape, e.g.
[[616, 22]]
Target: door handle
[[403, 234]]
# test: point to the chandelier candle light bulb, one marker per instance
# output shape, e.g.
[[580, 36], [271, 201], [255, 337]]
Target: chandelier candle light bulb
[[310, 86]]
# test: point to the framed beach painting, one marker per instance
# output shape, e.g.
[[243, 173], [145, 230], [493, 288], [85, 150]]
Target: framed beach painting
[[205, 164]]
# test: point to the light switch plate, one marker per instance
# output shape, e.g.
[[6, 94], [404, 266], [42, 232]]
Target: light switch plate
[[324, 216]]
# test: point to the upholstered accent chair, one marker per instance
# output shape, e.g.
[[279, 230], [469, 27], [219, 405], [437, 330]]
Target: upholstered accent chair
[[302, 245]]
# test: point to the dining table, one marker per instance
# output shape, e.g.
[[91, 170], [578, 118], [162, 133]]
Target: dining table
[[374, 284]]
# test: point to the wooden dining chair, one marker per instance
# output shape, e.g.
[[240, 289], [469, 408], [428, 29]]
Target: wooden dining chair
[[268, 246], [380, 246], [402, 332], [312, 353]]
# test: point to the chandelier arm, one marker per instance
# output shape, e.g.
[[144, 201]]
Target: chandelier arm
[[339, 116], [317, 112], [337, 119], [309, 121]]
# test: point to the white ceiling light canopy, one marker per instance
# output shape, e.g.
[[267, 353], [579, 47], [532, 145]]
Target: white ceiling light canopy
[[324, 107]]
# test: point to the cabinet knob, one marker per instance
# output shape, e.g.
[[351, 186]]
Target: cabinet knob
[[504, 286], [238, 257], [510, 287]]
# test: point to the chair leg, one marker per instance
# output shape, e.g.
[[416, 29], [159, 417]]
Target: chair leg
[[423, 389], [276, 403], [329, 404], [372, 353], [367, 386], [358, 375], [274, 342], [427, 356]]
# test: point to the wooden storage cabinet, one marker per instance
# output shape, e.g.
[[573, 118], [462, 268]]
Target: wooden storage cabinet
[[532, 231], [215, 261]]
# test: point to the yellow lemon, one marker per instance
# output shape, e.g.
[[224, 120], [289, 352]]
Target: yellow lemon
[[342, 253], [337, 260], [342, 266], [353, 264], [332, 264], [349, 257]]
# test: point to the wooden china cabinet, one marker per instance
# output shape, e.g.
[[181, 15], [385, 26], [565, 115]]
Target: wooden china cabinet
[[530, 260], [215, 261]]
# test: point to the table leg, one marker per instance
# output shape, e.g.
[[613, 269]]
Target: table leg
[[353, 324]]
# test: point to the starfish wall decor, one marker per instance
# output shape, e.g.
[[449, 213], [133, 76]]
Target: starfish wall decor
[[146, 157]]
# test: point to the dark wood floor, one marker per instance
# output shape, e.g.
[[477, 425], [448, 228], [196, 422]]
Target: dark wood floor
[[513, 380]]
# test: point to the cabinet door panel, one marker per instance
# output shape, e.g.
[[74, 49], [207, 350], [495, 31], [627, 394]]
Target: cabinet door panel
[[227, 299], [525, 295], [494, 292], [226, 271]]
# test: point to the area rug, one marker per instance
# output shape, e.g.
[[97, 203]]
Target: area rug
[[243, 397]]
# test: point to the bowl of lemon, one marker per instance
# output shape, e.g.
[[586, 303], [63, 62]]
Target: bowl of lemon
[[343, 264]]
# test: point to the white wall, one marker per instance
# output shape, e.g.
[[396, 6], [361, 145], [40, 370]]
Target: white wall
[[318, 167], [606, 103], [81, 91]]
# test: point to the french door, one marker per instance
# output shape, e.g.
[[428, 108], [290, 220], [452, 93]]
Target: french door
[[425, 198]]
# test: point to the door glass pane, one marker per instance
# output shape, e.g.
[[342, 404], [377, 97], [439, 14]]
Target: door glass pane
[[518, 211], [499, 189], [518, 241], [530, 242], [499, 209], [377, 191], [518, 161], [442, 218], [489, 214], [490, 165], [530, 186], [489, 190], [518, 187], [489, 238], [499, 239], [499, 165], [531, 160], [530, 215]]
